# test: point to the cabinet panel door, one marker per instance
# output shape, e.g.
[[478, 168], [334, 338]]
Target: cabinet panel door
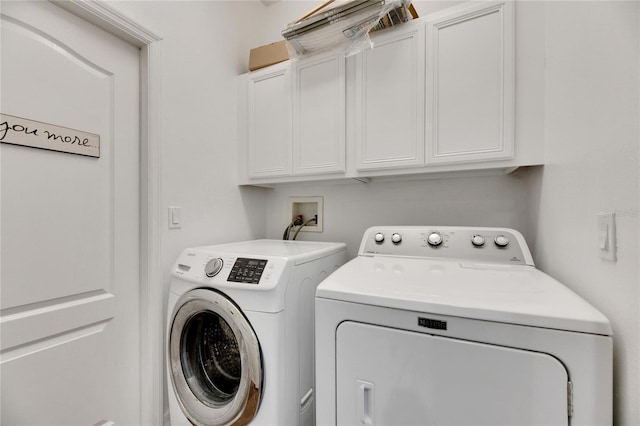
[[470, 83], [319, 115], [390, 101], [269, 123]]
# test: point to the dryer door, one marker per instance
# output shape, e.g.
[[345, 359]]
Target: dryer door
[[215, 360], [387, 376]]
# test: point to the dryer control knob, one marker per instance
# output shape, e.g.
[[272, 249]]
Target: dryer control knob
[[379, 237], [477, 240], [213, 266], [396, 238], [434, 239], [501, 241]]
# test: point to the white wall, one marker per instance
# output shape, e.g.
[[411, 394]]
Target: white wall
[[205, 47], [592, 166], [349, 209]]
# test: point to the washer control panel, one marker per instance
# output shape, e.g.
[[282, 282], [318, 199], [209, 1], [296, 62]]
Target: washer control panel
[[246, 270], [495, 245], [225, 269]]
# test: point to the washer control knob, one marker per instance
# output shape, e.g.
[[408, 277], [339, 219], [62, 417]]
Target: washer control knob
[[477, 240], [212, 267], [434, 239], [501, 241], [396, 238], [379, 238]]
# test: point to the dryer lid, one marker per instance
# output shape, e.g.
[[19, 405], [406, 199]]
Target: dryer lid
[[514, 294]]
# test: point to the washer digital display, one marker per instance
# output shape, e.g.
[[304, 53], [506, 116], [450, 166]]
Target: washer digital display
[[247, 271]]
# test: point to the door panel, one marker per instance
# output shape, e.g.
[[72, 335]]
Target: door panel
[[43, 387], [269, 122], [54, 202], [69, 224], [394, 377], [318, 115], [390, 101], [470, 80]]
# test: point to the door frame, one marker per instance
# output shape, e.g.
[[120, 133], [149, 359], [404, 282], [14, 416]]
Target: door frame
[[101, 14]]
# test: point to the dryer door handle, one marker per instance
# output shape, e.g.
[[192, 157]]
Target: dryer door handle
[[365, 402]]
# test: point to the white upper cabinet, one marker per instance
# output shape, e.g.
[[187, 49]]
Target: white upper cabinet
[[436, 94], [268, 122], [292, 120], [470, 83], [389, 100], [319, 115]]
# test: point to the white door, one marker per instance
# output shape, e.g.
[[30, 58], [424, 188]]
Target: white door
[[69, 224], [393, 377]]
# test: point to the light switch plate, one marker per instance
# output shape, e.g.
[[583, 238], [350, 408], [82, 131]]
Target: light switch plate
[[175, 217], [607, 236]]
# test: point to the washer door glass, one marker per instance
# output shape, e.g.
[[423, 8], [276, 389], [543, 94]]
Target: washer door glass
[[210, 358], [215, 360]]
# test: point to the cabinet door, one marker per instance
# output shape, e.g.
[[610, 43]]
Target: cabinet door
[[319, 115], [269, 122], [390, 100], [470, 83]]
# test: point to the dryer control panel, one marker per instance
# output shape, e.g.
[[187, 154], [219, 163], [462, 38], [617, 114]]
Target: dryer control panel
[[491, 245]]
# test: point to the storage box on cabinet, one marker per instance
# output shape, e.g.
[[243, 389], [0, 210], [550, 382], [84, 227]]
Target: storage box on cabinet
[[266, 55]]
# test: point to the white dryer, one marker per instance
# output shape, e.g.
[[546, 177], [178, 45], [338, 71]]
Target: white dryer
[[240, 332], [456, 326]]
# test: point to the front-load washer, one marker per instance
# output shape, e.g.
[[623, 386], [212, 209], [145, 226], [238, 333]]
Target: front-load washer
[[456, 326], [240, 346]]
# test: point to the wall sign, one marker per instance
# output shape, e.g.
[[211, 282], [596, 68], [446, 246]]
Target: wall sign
[[35, 134]]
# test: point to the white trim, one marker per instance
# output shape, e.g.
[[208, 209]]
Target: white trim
[[101, 14], [152, 347]]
